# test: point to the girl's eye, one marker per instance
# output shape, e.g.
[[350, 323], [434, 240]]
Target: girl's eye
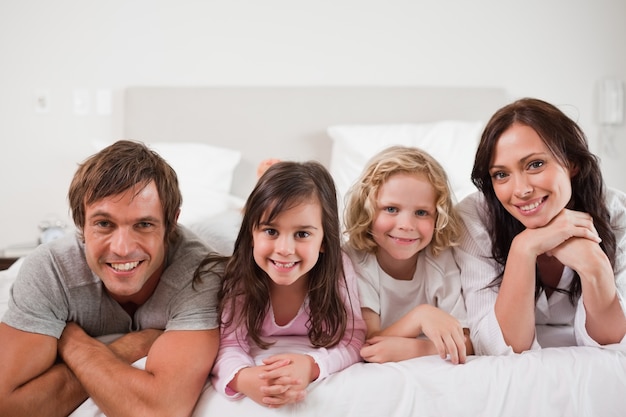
[[421, 213], [271, 232], [390, 210], [302, 235]]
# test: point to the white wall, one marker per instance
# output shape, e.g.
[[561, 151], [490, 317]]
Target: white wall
[[551, 49]]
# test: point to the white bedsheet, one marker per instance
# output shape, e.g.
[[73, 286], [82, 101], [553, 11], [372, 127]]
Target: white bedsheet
[[566, 381]]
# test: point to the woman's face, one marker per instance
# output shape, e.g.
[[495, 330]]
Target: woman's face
[[528, 180]]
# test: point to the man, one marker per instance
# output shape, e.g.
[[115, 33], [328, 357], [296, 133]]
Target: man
[[129, 270]]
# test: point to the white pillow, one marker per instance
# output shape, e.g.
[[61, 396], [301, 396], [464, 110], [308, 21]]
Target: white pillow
[[220, 232], [453, 143], [205, 174]]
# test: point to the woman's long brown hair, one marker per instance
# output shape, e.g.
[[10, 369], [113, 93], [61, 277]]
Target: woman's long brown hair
[[567, 142]]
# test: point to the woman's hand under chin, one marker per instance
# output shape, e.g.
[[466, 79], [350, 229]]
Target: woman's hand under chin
[[566, 225]]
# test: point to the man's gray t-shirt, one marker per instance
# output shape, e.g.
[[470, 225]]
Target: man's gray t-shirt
[[55, 285]]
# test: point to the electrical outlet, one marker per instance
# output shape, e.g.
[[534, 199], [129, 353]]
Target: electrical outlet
[[42, 101]]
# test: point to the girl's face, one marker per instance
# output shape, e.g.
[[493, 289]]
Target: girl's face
[[288, 247], [528, 180], [404, 221]]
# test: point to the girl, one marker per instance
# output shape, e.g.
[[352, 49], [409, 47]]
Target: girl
[[544, 241], [287, 286], [400, 225]]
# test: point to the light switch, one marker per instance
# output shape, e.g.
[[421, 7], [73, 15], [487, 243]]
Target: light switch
[[81, 101], [103, 102]]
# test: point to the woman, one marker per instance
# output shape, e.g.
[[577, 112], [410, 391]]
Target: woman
[[544, 239]]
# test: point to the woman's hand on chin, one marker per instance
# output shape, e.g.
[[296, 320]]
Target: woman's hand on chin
[[566, 225]]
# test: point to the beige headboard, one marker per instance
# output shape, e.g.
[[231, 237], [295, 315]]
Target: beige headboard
[[288, 122]]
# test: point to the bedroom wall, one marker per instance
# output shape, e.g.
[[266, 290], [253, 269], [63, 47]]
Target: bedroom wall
[[556, 50]]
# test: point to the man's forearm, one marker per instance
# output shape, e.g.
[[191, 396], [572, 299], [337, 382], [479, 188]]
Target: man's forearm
[[102, 373], [55, 393], [122, 390], [134, 346]]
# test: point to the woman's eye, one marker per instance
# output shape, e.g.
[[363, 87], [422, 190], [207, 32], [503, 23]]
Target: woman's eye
[[535, 164], [498, 175]]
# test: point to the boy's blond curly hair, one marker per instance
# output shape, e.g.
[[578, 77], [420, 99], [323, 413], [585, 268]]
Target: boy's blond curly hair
[[361, 198]]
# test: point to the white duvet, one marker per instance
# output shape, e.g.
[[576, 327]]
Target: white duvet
[[566, 381], [559, 381]]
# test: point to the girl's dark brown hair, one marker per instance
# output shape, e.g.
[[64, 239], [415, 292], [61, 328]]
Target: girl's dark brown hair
[[567, 142], [117, 168], [245, 287]]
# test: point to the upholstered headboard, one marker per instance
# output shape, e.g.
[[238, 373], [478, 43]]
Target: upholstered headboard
[[288, 122]]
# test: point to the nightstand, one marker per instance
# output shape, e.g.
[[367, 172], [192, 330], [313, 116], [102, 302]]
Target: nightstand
[[5, 262], [10, 254]]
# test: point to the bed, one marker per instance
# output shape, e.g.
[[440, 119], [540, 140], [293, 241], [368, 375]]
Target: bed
[[216, 136]]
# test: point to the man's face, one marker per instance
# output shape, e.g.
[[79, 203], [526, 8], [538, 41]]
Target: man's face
[[125, 242]]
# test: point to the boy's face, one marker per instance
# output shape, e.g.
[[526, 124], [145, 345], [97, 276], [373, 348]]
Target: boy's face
[[125, 242], [404, 221]]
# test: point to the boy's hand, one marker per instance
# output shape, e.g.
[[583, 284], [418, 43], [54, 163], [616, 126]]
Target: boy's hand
[[444, 331]]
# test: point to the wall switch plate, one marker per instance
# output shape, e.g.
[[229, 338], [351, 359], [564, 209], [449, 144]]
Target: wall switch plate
[[42, 101], [103, 102], [81, 101]]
